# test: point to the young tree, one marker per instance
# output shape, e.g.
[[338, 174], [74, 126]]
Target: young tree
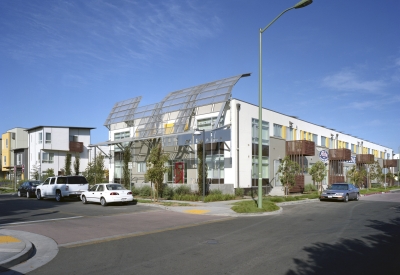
[[76, 164], [318, 173], [356, 176], [200, 168], [127, 157], [68, 164], [287, 171], [35, 172], [375, 172], [95, 171], [48, 173], [156, 168]]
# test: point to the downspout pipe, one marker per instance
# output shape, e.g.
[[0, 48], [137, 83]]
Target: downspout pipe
[[237, 143]]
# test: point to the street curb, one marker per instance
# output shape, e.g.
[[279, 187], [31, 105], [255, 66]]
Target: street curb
[[24, 255]]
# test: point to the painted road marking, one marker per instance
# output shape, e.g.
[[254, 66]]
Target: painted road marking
[[137, 234], [8, 239], [196, 211], [49, 220]]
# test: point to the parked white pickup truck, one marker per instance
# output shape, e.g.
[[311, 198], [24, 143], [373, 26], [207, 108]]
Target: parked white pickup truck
[[62, 186]]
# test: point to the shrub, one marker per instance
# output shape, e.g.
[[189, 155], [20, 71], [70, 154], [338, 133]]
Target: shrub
[[239, 192], [186, 197], [168, 192], [215, 192], [135, 191], [309, 188], [182, 190], [276, 199], [145, 191], [219, 197]]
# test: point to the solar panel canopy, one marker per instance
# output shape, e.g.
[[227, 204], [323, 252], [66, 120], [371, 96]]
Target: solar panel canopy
[[172, 114]]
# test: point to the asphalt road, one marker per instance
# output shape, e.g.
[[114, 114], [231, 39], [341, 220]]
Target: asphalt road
[[315, 238]]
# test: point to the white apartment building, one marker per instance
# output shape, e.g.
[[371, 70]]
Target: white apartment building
[[49, 146], [230, 129]]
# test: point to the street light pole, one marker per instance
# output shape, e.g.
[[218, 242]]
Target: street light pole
[[300, 4]]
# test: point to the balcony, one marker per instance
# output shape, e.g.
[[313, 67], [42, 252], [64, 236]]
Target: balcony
[[340, 154], [365, 159], [335, 179], [300, 147], [75, 146], [389, 163]]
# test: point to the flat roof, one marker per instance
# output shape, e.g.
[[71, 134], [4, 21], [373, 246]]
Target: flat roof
[[69, 127]]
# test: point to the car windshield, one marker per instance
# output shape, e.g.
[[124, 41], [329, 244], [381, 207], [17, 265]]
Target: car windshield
[[34, 184], [115, 187], [339, 187]]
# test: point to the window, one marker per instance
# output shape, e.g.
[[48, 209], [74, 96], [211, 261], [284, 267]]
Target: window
[[265, 170], [48, 137], [264, 132], [216, 166], [289, 134], [141, 166], [206, 123], [48, 157], [277, 130], [315, 138], [4, 160], [6, 143], [323, 141], [40, 138], [19, 159]]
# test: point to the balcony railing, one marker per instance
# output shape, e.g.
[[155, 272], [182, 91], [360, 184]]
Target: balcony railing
[[75, 146], [365, 159], [389, 163], [340, 154], [300, 147]]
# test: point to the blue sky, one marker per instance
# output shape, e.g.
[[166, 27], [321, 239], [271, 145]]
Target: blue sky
[[333, 63]]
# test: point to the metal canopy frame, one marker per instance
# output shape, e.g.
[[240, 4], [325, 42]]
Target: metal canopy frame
[[171, 116]]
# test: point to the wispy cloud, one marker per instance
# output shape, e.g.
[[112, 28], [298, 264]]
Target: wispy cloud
[[98, 34], [348, 81]]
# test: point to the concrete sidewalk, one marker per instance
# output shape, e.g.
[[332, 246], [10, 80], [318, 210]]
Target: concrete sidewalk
[[18, 247]]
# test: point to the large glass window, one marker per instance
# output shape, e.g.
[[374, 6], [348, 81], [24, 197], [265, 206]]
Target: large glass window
[[40, 137], [206, 123], [323, 141], [141, 167], [264, 132], [215, 165], [277, 130], [48, 157], [289, 134], [19, 159], [265, 164]]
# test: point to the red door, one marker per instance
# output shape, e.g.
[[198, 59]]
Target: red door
[[179, 172]]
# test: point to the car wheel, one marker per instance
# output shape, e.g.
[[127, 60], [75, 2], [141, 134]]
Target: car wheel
[[28, 195], [58, 196], [103, 201], [84, 201], [19, 193], [357, 197], [38, 195], [346, 199]]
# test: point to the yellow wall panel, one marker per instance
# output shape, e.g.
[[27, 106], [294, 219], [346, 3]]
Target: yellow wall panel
[[284, 132], [169, 127]]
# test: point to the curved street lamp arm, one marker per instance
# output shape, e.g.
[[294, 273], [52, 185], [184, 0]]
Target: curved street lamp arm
[[276, 18]]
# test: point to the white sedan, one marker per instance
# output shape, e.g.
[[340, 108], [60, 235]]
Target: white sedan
[[105, 193]]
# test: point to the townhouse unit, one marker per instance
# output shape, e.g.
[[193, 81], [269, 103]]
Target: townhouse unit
[[229, 129], [14, 152], [49, 146]]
